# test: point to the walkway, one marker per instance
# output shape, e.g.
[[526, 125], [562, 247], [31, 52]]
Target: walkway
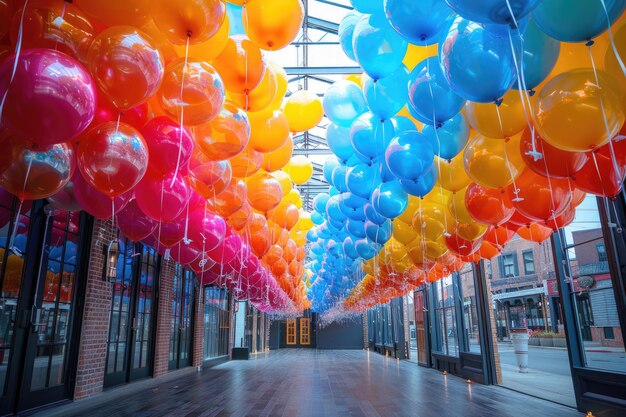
[[314, 383]]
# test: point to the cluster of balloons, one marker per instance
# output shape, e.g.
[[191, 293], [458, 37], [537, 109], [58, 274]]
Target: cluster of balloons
[[474, 120], [168, 117]]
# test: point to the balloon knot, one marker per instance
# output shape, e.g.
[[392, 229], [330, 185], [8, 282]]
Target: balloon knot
[[531, 92], [439, 125], [619, 138], [189, 33], [535, 154], [498, 101], [590, 42], [517, 199], [187, 241]]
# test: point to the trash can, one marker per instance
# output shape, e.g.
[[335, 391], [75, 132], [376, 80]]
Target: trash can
[[519, 337]]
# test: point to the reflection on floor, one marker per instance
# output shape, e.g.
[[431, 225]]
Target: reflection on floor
[[316, 383]]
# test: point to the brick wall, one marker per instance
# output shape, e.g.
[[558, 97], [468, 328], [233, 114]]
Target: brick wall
[[164, 317], [95, 321], [198, 331]]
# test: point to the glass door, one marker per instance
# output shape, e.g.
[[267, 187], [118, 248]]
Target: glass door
[[421, 327], [181, 330], [131, 328]]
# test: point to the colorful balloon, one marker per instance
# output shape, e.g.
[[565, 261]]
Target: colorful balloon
[[241, 65], [164, 199], [169, 146], [493, 163], [273, 24], [269, 130], [299, 169], [188, 21], [550, 162], [303, 111], [264, 192]]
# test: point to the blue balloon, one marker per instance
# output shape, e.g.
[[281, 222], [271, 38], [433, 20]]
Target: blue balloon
[[402, 124], [356, 228], [363, 178], [450, 138], [317, 218], [333, 191], [355, 213], [333, 209], [385, 173], [343, 102], [409, 155], [576, 20], [339, 177], [493, 11], [349, 249], [390, 200], [311, 236], [419, 21], [423, 185], [346, 32], [329, 166], [338, 140], [368, 6], [320, 201], [372, 215], [235, 19], [387, 96], [539, 55], [370, 137], [431, 100], [367, 250], [378, 49], [379, 233], [477, 63]]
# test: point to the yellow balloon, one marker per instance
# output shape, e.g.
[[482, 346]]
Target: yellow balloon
[[300, 169], [411, 209], [285, 181], [484, 116], [298, 236], [574, 114], [430, 221], [452, 173], [468, 231], [427, 250], [456, 207], [282, 84], [303, 110], [611, 63], [416, 54], [403, 232], [273, 24], [261, 97], [209, 49], [355, 78], [438, 195], [405, 112], [493, 163], [305, 223], [294, 198]]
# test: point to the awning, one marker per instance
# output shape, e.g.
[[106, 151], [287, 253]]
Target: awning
[[517, 294]]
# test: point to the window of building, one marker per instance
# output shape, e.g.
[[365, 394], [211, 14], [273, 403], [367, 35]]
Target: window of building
[[508, 265], [529, 262], [444, 293], [216, 322], [601, 252]]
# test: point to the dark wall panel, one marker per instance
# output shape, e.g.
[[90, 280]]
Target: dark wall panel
[[345, 335]]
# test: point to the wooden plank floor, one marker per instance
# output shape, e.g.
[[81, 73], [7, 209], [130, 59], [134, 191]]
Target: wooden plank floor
[[310, 383]]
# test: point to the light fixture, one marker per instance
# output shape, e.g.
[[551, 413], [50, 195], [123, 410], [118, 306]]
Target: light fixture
[[112, 254]]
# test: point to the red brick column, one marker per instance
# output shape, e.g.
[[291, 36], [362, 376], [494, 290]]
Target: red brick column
[[198, 329], [164, 317], [95, 324]]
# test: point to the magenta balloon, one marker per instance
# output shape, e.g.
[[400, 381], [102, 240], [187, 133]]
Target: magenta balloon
[[162, 199], [206, 231], [133, 223], [184, 254], [166, 141], [96, 203], [169, 234], [52, 98], [228, 250], [64, 200]]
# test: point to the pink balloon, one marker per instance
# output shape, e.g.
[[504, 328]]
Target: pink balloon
[[133, 223], [169, 234], [6, 204], [206, 231], [228, 249], [185, 254], [96, 203], [51, 99], [162, 199], [166, 142]]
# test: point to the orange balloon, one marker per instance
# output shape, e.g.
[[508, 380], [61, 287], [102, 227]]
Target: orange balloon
[[112, 13], [226, 136], [279, 267], [269, 130], [276, 160], [282, 82], [207, 177], [193, 90], [192, 21], [285, 181], [209, 49], [290, 250], [262, 96], [230, 200], [163, 44], [296, 269], [539, 198], [285, 215], [273, 24], [488, 251], [239, 219], [535, 232], [493, 163], [498, 236], [274, 254], [247, 163], [488, 205], [127, 66], [264, 192], [241, 65]]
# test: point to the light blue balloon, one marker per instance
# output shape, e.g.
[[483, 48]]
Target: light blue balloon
[[354, 159], [349, 249], [423, 185], [317, 218], [320, 201], [385, 174], [431, 100], [329, 166], [367, 250], [357, 213], [372, 215], [418, 21], [370, 136], [362, 179], [356, 228], [337, 223], [333, 210], [343, 102], [346, 32], [409, 155], [390, 200], [493, 11], [339, 178], [378, 49], [338, 140], [311, 236], [379, 233], [353, 201], [235, 19], [402, 124], [450, 139], [387, 96], [539, 55], [333, 191], [477, 64], [368, 6], [576, 20]]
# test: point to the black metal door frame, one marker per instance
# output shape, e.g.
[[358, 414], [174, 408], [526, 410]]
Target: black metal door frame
[[177, 362]]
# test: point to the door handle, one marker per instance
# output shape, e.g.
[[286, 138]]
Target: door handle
[[35, 317]]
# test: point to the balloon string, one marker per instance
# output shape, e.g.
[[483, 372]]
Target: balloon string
[[21, 199], [113, 212], [595, 163], [18, 49], [611, 39], [507, 162], [182, 111], [161, 213], [16, 222]]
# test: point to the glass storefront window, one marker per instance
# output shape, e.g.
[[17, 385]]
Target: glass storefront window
[[444, 293], [470, 309], [216, 322]]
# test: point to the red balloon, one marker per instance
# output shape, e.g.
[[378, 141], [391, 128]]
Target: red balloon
[[133, 223], [206, 230], [170, 233], [113, 158], [564, 219], [516, 221], [604, 172], [499, 236], [162, 199], [554, 162], [169, 145], [487, 205], [51, 99], [539, 198], [535, 232], [107, 112], [460, 246], [96, 203]]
